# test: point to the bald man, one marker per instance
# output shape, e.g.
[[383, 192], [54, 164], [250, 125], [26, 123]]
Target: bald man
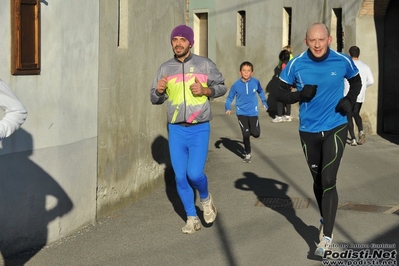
[[319, 74]]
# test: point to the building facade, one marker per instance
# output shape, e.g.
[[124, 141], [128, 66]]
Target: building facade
[[92, 142], [231, 32]]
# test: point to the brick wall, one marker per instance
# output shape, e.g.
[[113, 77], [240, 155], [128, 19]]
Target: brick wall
[[376, 8]]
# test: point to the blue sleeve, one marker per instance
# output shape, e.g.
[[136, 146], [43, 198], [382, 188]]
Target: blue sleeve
[[287, 75], [261, 94], [230, 98]]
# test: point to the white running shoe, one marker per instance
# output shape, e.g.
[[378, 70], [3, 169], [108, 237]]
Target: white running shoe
[[277, 119], [210, 211], [192, 225], [321, 228], [287, 118], [247, 158], [353, 142], [325, 244]]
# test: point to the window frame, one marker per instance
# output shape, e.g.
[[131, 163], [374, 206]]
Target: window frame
[[241, 28], [25, 37]]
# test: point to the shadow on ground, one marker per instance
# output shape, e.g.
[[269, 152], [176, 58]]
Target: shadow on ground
[[263, 187]]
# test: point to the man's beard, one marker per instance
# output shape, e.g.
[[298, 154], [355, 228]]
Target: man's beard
[[182, 54]]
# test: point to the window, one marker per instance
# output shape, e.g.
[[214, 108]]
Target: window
[[25, 37], [201, 33], [287, 11], [241, 28], [123, 23]]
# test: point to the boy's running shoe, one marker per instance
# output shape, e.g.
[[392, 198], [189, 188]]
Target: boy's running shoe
[[247, 158]]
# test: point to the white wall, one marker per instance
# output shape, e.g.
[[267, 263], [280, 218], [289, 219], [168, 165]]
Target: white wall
[[366, 40], [58, 142]]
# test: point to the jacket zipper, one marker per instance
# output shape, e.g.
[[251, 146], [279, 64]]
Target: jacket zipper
[[184, 93]]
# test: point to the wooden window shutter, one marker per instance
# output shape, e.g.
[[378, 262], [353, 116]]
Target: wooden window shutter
[[25, 37]]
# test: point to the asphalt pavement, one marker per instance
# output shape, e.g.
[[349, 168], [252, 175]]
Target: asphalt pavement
[[267, 214]]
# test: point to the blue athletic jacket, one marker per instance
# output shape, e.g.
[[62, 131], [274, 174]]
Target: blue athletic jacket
[[328, 73], [246, 97]]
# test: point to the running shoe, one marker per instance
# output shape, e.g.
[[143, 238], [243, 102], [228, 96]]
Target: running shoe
[[277, 119], [287, 118], [210, 211], [353, 142], [192, 225], [247, 158], [321, 228], [325, 244], [362, 138]]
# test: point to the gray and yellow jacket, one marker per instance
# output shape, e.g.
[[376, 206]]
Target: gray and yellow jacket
[[182, 105]]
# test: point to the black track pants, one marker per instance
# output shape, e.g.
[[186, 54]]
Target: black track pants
[[249, 127], [323, 152]]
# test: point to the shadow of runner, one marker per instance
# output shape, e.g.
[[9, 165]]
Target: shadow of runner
[[273, 188], [234, 146], [30, 199]]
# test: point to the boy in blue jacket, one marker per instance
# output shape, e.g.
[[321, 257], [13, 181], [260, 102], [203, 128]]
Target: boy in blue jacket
[[245, 91]]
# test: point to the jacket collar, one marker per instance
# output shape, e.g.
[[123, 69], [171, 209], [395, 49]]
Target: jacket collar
[[188, 58], [318, 59]]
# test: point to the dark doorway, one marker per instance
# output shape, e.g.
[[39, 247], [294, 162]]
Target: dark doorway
[[388, 38]]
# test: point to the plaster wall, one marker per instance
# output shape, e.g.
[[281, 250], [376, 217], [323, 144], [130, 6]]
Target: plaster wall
[[132, 138], [366, 40], [49, 165]]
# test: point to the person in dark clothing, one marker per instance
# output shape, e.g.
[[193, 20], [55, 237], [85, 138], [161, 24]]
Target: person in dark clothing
[[283, 109]]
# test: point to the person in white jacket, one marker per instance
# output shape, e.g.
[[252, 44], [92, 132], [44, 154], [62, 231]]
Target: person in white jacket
[[367, 80], [15, 112]]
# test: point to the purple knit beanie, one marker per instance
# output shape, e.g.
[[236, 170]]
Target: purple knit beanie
[[183, 31]]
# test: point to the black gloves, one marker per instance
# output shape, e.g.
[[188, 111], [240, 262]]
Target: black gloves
[[308, 92], [284, 94], [344, 106]]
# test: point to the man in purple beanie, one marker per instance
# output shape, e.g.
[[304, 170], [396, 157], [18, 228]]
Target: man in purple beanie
[[186, 83]]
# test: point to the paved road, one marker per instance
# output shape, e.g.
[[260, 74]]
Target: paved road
[[246, 231]]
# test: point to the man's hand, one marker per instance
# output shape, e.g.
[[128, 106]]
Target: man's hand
[[228, 112], [197, 89], [161, 86], [344, 106], [308, 92]]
